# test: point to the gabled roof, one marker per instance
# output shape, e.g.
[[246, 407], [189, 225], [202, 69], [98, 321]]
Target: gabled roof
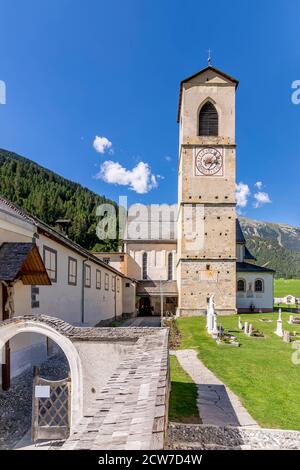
[[210, 67], [22, 261]]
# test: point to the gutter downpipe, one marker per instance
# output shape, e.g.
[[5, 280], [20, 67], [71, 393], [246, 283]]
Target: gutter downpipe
[[82, 290], [115, 298]]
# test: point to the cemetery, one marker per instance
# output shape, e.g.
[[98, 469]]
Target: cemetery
[[263, 362]]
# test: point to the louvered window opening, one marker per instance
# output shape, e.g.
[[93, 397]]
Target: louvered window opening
[[208, 120]]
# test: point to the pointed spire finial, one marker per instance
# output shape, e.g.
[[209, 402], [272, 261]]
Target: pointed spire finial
[[209, 57]]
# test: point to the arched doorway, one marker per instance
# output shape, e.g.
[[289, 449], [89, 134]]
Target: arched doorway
[[14, 327]]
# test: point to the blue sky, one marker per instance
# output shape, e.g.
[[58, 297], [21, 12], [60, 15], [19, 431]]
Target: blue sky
[[79, 69]]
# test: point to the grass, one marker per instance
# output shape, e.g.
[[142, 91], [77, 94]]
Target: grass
[[183, 397], [283, 287], [286, 306], [260, 371]]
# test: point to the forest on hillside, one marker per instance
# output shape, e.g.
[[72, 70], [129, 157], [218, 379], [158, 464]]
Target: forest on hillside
[[50, 197]]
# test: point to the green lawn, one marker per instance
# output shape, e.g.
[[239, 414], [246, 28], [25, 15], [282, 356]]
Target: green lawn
[[283, 287], [182, 406], [260, 371]]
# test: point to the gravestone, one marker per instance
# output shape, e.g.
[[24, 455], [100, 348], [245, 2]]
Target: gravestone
[[291, 319], [279, 330], [250, 330], [240, 325], [246, 327], [286, 336]]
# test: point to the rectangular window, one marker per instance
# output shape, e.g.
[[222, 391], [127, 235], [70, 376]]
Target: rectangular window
[[98, 279], [118, 284], [87, 275], [72, 271], [50, 262], [113, 285], [106, 281]]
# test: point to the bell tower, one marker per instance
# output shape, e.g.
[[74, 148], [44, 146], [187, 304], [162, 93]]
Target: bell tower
[[206, 193]]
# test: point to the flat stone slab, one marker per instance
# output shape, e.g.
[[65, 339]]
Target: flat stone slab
[[217, 404], [127, 413]]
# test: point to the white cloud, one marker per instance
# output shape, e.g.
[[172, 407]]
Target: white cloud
[[258, 184], [139, 179], [102, 144], [261, 198], [168, 158], [242, 193]]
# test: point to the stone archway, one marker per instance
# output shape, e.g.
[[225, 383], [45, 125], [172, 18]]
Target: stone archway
[[14, 326]]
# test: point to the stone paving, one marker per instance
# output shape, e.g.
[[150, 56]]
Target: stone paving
[[217, 404], [130, 412], [142, 321]]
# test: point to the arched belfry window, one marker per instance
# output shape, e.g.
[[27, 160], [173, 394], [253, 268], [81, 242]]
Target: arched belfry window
[[208, 120], [145, 265]]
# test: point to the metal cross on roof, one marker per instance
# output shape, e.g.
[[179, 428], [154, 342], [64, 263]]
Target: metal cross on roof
[[209, 57]]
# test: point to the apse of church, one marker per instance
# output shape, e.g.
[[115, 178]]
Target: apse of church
[[206, 193]]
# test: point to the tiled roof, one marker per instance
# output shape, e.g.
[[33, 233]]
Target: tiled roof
[[248, 267], [22, 261], [155, 288]]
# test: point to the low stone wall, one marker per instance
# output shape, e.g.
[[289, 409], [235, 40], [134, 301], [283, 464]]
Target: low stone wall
[[201, 437], [120, 381]]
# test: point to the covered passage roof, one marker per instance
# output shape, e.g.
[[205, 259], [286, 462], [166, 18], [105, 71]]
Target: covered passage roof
[[22, 261]]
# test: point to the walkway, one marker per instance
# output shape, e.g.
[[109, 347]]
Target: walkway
[[217, 404], [142, 321]]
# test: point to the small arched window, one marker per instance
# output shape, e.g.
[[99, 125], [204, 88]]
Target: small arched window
[[241, 285], [145, 265], [208, 120], [259, 285], [170, 266]]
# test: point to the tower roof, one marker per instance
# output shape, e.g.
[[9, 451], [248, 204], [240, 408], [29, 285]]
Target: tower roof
[[205, 69]]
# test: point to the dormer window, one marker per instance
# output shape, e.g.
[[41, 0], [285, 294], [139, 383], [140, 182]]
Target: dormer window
[[208, 120]]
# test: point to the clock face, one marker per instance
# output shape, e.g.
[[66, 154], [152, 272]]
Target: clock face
[[209, 162]]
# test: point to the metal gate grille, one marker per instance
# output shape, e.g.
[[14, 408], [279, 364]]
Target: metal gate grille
[[50, 414]]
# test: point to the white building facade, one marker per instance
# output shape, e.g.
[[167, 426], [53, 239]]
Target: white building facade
[[82, 289]]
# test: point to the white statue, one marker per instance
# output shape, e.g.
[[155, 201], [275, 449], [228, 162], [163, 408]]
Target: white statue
[[10, 304], [211, 315]]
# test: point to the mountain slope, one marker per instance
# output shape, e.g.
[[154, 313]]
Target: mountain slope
[[276, 246], [49, 197]]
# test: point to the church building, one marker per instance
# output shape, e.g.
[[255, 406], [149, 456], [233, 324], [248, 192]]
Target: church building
[[188, 253]]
